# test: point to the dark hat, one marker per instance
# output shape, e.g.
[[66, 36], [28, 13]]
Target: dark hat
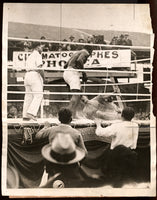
[[43, 38], [81, 40], [63, 150], [71, 36]]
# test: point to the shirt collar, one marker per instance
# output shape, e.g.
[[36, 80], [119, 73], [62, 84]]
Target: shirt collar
[[65, 125]]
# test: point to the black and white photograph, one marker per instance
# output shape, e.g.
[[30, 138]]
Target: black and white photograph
[[77, 100]]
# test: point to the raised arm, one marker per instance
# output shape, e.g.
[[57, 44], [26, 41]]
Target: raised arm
[[44, 132], [100, 131]]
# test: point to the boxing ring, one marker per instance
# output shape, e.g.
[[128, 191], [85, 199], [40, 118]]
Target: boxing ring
[[28, 151]]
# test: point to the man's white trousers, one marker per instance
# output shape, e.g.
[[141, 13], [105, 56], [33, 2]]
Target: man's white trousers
[[33, 83]]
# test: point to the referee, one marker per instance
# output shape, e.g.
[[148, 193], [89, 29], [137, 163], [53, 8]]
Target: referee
[[33, 82]]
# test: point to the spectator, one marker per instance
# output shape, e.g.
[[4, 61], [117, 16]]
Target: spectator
[[121, 40], [81, 40], [43, 38], [12, 113], [124, 40], [60, 47], [79, 47], [90, 39], [62, 157], [11, 44], [72, 38], [95, 42], [68, 47], [46, 45], [72, 47], [49, 46], [127, 40], [27, 45], [121, 158], [64, 46], [124, 133], [114, 40], [65, 117], [54, 47]]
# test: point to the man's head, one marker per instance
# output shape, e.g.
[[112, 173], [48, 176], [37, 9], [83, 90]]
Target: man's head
[[81, 40], [38, 46], [90, 39], [65, 115], [116, 37], [43, 38], [126, 36], [121, 37], [71, 38], [128, 113], [13, 110]]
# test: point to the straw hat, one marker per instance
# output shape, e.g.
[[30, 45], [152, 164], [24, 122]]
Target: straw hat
[[63, 150]]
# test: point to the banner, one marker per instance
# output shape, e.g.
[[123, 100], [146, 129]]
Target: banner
[[57, 60]]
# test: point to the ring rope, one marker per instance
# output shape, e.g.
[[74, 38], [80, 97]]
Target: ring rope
[[66, 101], [57, 101], [132, 100], [97, 84], [88, 70], [77, 93], [90, 44]]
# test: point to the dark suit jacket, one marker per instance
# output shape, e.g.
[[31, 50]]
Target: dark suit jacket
[[73, 176]]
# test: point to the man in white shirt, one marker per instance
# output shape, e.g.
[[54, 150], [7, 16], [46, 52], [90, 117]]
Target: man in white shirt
[[124, 132], [121, 158], [33, 83]]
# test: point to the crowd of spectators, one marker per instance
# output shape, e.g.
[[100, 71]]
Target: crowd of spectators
[[15, 110], [123, 39], [26, 45]]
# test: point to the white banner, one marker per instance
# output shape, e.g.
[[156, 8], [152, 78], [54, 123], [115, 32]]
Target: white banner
[[57, 60]]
